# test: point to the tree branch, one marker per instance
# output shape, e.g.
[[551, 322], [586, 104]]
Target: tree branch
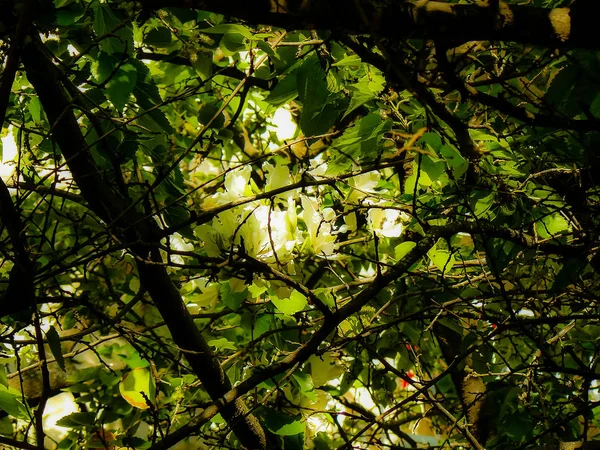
[[19, 294], [231, 72], [111, 207], [491, 21], [331, 323]]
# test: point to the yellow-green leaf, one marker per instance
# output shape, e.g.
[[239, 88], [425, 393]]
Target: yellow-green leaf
[[296, 303], [403, 249], [138, 387], [442, 259]]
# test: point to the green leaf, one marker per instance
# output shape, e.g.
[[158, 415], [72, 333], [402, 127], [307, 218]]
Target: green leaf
[[442, 259], [412, 331], [570, 273], [256, 290], [552, 225], [285, 90], [120, 87], [324, 368], [364, 91], [208, 111], [402, 359], [294, 442], [203, 65], [55, 346], [296, 303], [351, 60], [433, 169], [159, 37], [175, 214], [77, 420], [229, 28], [401, 250], [482, 202], [595, 106], [103, 67], [3, 377], [10, 402], [363, 138], [222, 343], [326, 297], [70, 17], [35, 109], [232, 43], [306, 384], [433, 140], [138, 387], [282, 424], [106, 23], [148, 97], [233, 293], [455, 161], [478, 135], [562, 85], [319, 111]]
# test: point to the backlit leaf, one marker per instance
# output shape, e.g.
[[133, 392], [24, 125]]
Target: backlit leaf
[[138, 387], [295, 303], [120, 87], [55, 346]]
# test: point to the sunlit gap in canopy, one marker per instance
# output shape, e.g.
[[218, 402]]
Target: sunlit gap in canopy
[[9, 152], [280, 125]]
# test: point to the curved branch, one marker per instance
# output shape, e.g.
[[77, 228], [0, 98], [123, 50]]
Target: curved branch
[[111, 207], [302, 353], [20, 293], [399, 20]]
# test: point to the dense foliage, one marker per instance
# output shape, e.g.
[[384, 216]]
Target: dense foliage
[[222, 234]]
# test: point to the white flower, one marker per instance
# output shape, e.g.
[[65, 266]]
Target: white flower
[[236, 186], [320, 239], [385, 222], [279, 176], [236, 181], [366, 182], [318, 167], [268, 235], [367, 272], [363, 185], [176, 242]]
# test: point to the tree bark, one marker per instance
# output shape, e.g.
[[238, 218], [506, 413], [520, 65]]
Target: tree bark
[[483, 20], [134, 228]]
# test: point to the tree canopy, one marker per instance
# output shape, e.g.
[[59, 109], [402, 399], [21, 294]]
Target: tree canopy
[[299, 224]]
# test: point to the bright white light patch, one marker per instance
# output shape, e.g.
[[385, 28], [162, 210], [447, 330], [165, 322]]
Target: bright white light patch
[[59, 406], [362, 396], [9, 152], [285, 127], [72, 50]]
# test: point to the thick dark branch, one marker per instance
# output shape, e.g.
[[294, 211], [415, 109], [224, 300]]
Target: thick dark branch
[[331, 323], [503, 106], [20, 292], [112, 208], [17, 444], [458, 23]]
